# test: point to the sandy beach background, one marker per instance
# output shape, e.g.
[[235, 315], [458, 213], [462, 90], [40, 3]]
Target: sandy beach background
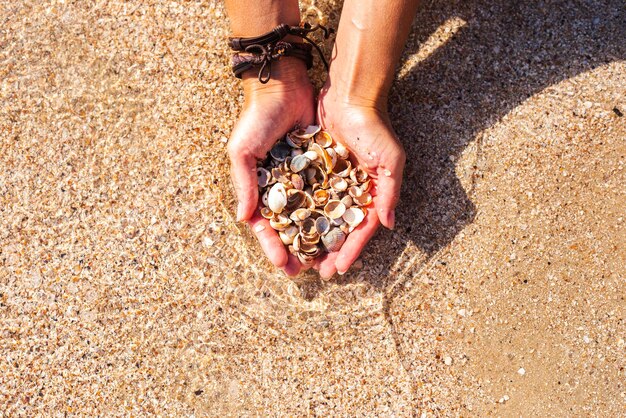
[[127, 289]]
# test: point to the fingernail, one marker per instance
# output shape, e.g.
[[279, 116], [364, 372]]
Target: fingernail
[[239, 213], [341, 273], [391, 219]]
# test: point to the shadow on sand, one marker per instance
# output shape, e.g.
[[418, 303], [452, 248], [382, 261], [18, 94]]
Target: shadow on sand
[[503, 53]]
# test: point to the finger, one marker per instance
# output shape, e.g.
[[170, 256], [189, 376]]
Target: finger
[[243, 174], [293, 266], [388, 193], [327, 266], [270, 242], [356, 241]]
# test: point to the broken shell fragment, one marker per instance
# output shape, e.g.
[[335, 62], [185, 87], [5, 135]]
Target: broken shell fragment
[[322, 225], [280, 222], [363, 200], [267, 213]]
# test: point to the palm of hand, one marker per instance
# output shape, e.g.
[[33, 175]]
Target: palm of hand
[[266, 118], [373, 144]]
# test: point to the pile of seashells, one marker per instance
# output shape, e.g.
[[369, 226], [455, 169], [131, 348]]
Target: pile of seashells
[[311, 193]]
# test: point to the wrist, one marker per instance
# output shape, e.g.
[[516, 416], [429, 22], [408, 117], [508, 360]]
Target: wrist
[[353, 90], [287, 75]]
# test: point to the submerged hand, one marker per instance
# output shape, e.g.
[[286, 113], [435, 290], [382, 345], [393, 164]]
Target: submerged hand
[[270, 111], [367, 133]]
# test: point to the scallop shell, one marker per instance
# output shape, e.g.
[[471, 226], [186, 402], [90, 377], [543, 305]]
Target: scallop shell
[[334, 209], [353, 216], [277, 198], [334, 239]]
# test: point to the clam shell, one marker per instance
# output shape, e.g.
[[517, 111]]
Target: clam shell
[[299, 163], [297, 181], [263, 176], [288, 234], [293, 141], [358, 175], [322, 225], [280, 151], [342, 168], [309, 239], [334, 209], [338, 184], [309, 249], [267, 213], [280, 175], [264, 199], [307, 227], [320, 197], [334, 239], [342, 151], [363, 200], [296, 151], [332, 159], [347, 200], [280, 222], [306, 259], [295, 199], [311, 155], [300, 214], [355, 191], [308, 132], [277, 198], [353, 216], [324, 139]]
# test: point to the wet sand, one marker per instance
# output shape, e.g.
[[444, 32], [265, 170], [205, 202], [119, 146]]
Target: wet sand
[[127, 289]]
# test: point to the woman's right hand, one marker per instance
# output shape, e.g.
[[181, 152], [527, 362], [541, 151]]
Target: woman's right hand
[[270, 111]]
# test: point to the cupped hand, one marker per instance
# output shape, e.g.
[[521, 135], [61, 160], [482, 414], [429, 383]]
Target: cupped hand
[[270, 111], [366, 131]]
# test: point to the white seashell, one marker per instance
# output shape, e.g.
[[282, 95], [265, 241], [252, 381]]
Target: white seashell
[[363, 200], [342, 151], [347, 201], [307, 133], [277, 198], [338, 184], [311, 155], [353, 216]]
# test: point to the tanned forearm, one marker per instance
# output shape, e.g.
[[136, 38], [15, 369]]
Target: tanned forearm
[[369, 42]]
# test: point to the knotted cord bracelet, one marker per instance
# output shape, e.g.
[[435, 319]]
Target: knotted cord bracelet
[[258, 55], [262, 50]]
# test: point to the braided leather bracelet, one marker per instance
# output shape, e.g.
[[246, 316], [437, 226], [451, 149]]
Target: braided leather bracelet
[[262, 50]]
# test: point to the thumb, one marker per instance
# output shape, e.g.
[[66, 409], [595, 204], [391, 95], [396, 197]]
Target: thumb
[[388, 192], [243, 175]]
